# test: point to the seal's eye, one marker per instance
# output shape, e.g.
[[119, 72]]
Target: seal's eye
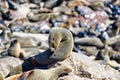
[[53, 46], [53, 39]]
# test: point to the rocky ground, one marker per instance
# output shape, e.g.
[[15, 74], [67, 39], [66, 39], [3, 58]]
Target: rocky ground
[[95, 25]]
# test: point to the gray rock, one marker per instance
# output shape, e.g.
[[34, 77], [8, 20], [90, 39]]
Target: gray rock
[[7, 64], [84, 67]]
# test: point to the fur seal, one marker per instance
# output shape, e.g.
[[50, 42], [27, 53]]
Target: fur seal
[[61, 43], [106, 56], [90, 41], [36, 74], [15, 49]]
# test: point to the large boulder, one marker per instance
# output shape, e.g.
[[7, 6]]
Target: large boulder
[[84, 68], [7, 64]]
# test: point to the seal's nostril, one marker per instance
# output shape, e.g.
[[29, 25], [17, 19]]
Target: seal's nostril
[[53, 46], [54, 55]]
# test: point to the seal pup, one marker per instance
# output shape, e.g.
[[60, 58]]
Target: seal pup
[[36, 74], [15, 49]]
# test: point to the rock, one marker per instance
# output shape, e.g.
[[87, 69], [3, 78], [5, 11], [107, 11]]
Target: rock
[[7, 64], [92, 18], [22, 11], [84, 67]]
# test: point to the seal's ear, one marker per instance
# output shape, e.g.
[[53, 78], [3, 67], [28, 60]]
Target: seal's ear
[[25, 75]]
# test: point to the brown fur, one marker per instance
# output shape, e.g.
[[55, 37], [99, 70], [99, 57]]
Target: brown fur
[[1, 76], [60, 43], [37, 74], [90, 41], [15, 49]]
